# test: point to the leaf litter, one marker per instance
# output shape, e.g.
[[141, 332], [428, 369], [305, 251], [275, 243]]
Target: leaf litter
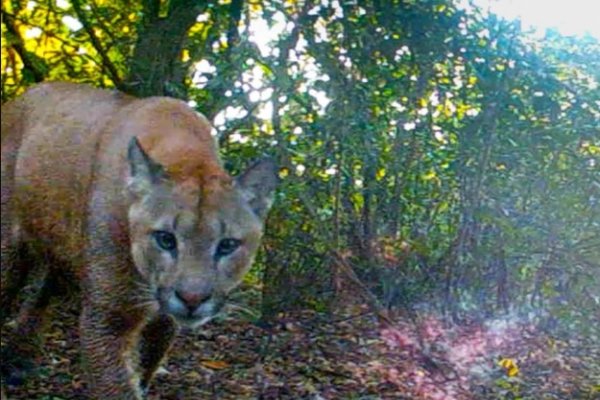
[[345, 355]]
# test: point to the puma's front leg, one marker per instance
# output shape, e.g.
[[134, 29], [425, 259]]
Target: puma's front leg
[[109, 339], [107, 348], [156, 340]]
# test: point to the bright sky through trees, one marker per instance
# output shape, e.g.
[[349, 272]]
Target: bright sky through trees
[[572, 17]]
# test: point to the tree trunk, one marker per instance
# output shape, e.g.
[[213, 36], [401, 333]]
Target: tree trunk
[[156, 68]]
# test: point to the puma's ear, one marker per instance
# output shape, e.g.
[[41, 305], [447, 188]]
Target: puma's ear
[[143, 171], [258, 185]]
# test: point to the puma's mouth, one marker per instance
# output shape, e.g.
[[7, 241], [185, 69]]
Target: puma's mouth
[[189, 312]]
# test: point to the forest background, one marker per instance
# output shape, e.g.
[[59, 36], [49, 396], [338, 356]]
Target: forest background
[[435, 158]]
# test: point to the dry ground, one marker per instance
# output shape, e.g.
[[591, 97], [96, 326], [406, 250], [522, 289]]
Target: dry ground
[[346, 355]]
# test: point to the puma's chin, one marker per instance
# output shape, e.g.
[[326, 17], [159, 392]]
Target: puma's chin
[[202, 315], [194, 323], [188, 317]]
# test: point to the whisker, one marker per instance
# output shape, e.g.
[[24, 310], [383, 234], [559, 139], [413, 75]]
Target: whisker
[[144, 304], [233, 308]]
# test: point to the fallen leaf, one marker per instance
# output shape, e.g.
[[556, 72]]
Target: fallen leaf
[[215, 364]]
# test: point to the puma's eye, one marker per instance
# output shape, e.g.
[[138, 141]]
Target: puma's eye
[[165, 240], [227, 246]]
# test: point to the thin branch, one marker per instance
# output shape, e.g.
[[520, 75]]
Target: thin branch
[[101, 22], [106, 62], [235, 14], [29, 59], [346, 268]]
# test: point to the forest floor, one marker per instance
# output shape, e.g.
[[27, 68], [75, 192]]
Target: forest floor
[[346, 355]]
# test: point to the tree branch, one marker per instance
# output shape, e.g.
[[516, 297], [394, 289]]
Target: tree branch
[[155, 68], [107, 64], [235, 12], [32, 65]]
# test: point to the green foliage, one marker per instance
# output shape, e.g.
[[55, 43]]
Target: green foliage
[[443, 152]]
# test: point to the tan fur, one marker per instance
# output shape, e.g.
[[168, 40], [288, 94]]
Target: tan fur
[[73, 202]]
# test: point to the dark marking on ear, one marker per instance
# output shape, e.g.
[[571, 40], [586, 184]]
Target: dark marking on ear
[[222, 228], [258, 184], [141, 165]]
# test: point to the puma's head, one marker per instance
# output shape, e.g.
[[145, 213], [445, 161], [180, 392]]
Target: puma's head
[[194, 241]]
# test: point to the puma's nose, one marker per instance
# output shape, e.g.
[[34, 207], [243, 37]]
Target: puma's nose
[[192, 300]]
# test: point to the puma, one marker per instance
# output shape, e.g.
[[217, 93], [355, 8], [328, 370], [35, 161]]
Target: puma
[[128, 198]]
